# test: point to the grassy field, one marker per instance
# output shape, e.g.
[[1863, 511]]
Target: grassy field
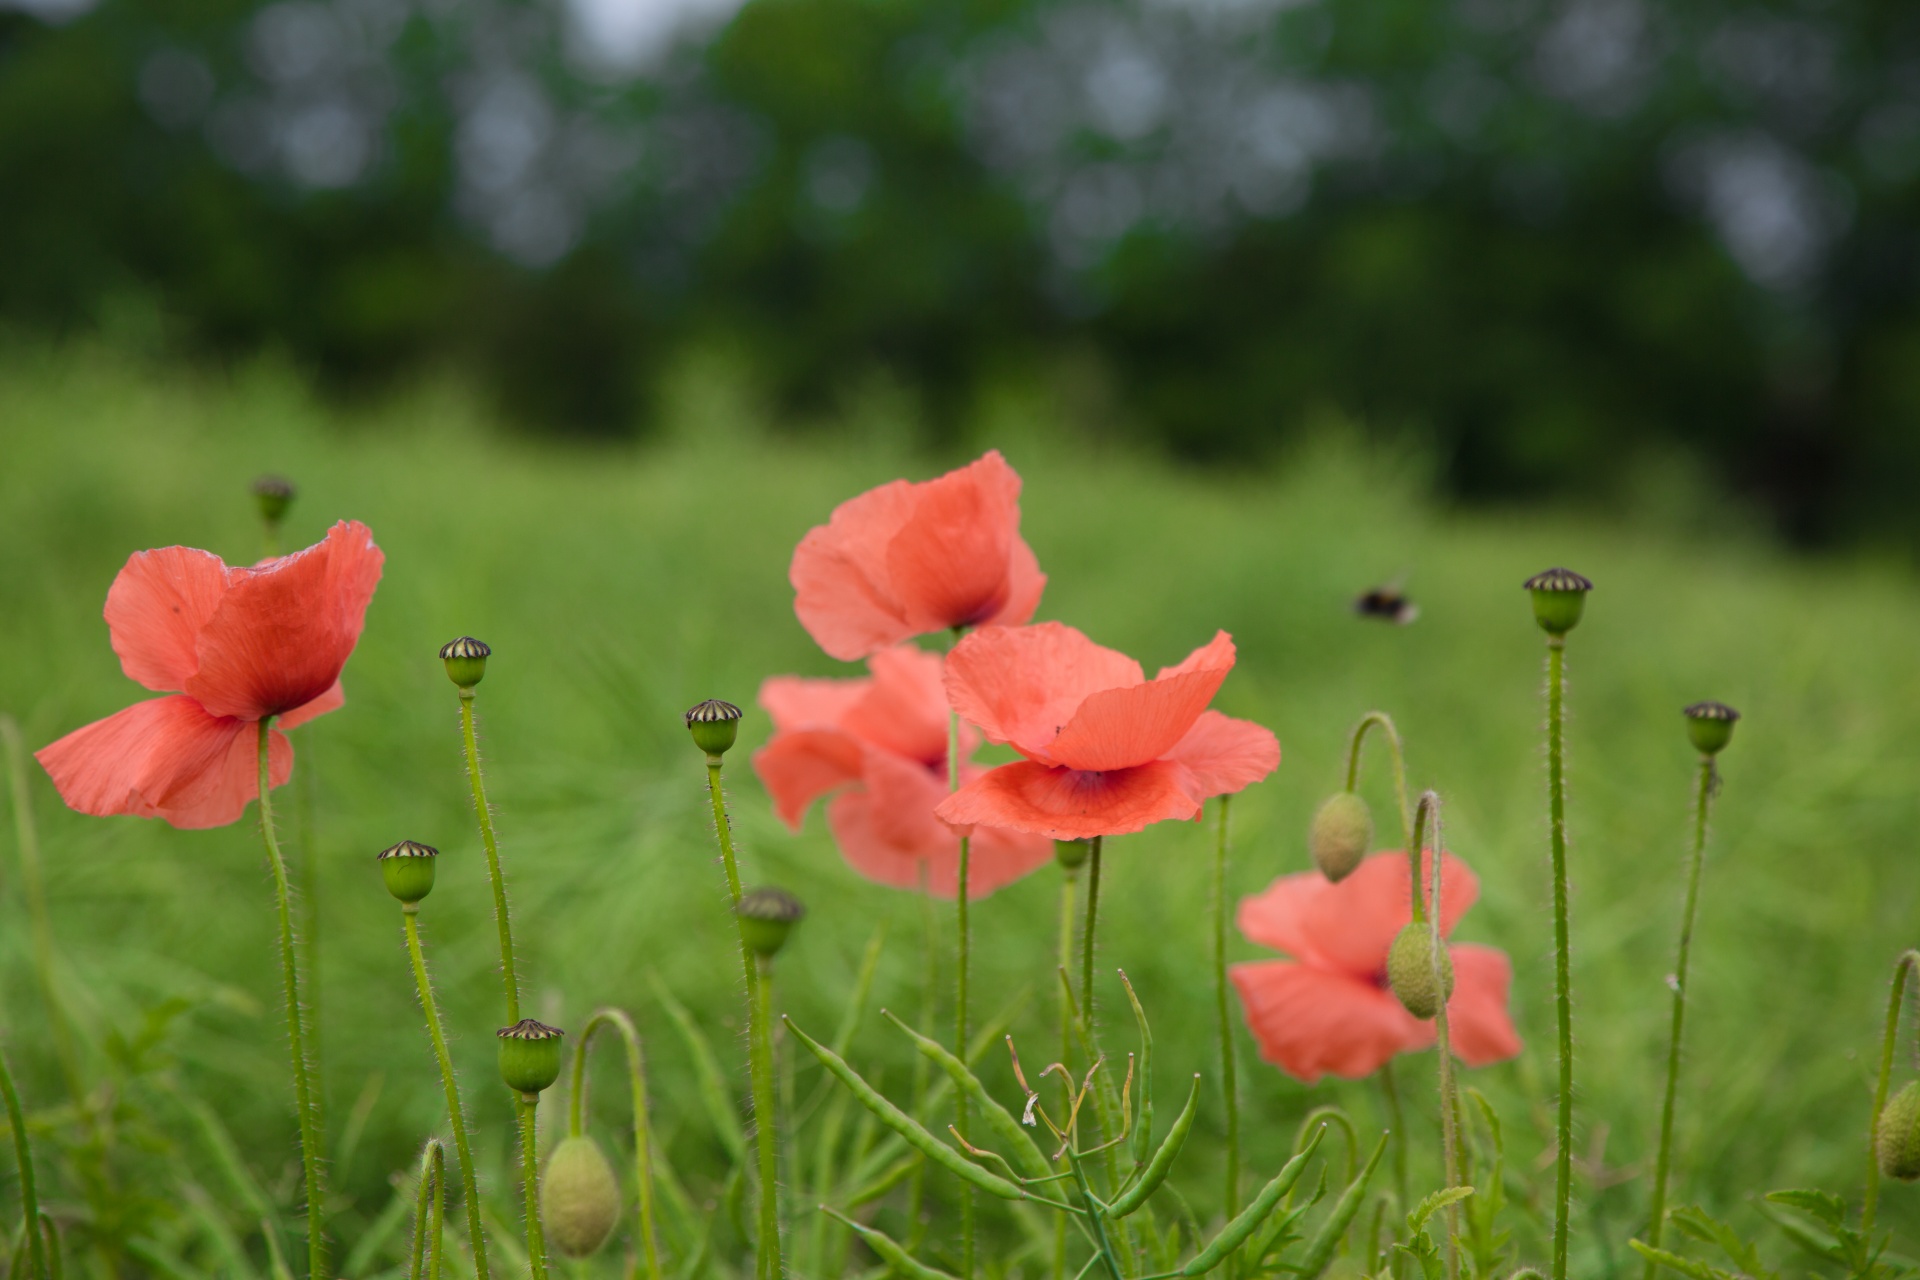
[[618, 585]]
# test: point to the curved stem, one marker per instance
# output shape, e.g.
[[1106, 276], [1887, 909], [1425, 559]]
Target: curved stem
[[484, 812], [469, 1185], [1562, 965], [1443, 1041], [765, 1122], [529, 1105], [1224, 1008], [29, 1193], [428, 1205], [1657, 1217], [642, 1126], [1384, 722], [1903, 968], [1086, 939], [963, 1121], [290, 978]]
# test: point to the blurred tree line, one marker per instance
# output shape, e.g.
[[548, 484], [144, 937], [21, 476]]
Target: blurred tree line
[[1555, 238]]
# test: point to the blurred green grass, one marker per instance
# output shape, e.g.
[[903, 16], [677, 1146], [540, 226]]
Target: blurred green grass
[[619, 585]]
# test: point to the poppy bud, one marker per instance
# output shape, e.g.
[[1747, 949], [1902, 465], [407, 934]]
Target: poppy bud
[[1896, 1135], [408, 870], [766, 917], [529, 1055], [1710, 726], [274, 494], [1410, 971], [1341, 832], [714, 724], [1071, 854], [1558, 597], [466, 660], [579, 1197]]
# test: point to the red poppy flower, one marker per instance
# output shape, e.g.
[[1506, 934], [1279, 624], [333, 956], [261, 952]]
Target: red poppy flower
[[239, 645], [1107, 751], [907, 559], [1329, 1009], [882, 743]]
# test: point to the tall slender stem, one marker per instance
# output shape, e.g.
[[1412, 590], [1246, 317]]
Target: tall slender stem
[[484, 812], [1228, 1071], [1086, 938], [429, 1208], [1382, 721], [29, 1192], [1398, 1120], [307, 867], [529, 1105], [469, 1185], [1657, 1217], [642, 1124], [1903, 968], [963, 1120], [1069, 881], [1454, 1168], [1562, 964], [290, 977]]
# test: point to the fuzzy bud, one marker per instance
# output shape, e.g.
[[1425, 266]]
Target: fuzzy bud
[[1559, 596], [1410, 971], [1071, 854], [1710, 726], [529, 1055], [714, 725], [766, 917], [1896, 1135], [274, 494], [408, 869], [579, 1197], [1341, 833], [466, 660]]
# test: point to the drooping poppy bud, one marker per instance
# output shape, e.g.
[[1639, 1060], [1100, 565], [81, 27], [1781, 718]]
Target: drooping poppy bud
[[1710, 726], [1896, 1134], [1410, 971], [714, 725], [579, 1197], [1341, 832], [274, 494], [1071, 854], [1559, 596], [529, 1055], [766, 917], [408, 869], [466, 660]]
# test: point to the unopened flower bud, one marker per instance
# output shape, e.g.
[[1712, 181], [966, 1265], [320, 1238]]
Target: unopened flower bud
[[1341, 833], [466, 660], [529, 1055], [1071, 854], [579, 1197], [1410, 971], [1710, 726], [274, 494], [1559, 595], [408, 869], [766, 917], [715, 725], [1896, 1135]]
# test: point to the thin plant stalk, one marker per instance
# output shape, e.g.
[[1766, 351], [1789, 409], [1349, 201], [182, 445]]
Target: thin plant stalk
[[429, 1211], [1224, 1008], [469, 1186], [302, 1069], [1087, 937], [1453, 1170], [1562, 963], [1663, 1162], [1397, 1120], [1382, 721], [962, 971], [1903, 968], [307, 867], [29, 1192], [642, 1124], [484, 812], [528, 1105], [1069, 882]]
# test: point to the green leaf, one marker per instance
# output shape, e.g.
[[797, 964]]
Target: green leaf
[[715, 1096], [1685, 1266], [1417, 1220], [1821, 1205], [1701, 1226]]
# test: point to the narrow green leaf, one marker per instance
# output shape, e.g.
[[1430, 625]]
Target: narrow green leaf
[[715, 1096], [902, 1263], [1156, 1169], [1235, 1233], [1822, 1205], [1320, 1252], [1417, 1220], [1026, 1153]]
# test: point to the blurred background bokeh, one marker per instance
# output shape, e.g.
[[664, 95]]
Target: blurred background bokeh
[[1567, 248]]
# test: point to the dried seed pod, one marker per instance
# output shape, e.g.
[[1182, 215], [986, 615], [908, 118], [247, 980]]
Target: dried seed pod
[[1559, 596], [1410, 971], [274, 494], [714, 725], [1071, 854], [579, 1197], [466, 660], [1710, 726], [766, 917], [408, 869], [529, 1055], [1341, 833]]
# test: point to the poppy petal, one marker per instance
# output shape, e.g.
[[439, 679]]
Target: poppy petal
[[996, 858], [164, 758], [1225, 755], [285, 628], [155, 609], [999, 857], [1022, 685], [1478, 1024], [904, 707], [1349, 926], [948, 563], [1119, 728], [332, 700], [798, 766], [904, 795], [1309, 1021], [795, 702], [1025, 584], [1068, 804], [842, 593], [850, 818]]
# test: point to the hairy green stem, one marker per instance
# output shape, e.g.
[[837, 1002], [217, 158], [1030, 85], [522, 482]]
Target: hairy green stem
[[307, 866], [1086, 938], [429, 1214], [469, 1185], [642, 1124], [1382, 721], [1398, 1120], [484, 812], [1069, 880], [1562, 963], [529, 1106], [302, 1069], [963, 1120], [1453, 1166], [1663, 1162], [1224, 1007], [29, 1192], [1903, 968], [766, 1121]]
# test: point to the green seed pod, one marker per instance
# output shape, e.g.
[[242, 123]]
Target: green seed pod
[[1896, 1135], [1410, 971], [1559, 596], [766, 917], [466, 660], [408, 870], [274, 494], [715, 725], [1071, 854], [1710, 726], [1341, 833], [579, 1197], [529, 1055]]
